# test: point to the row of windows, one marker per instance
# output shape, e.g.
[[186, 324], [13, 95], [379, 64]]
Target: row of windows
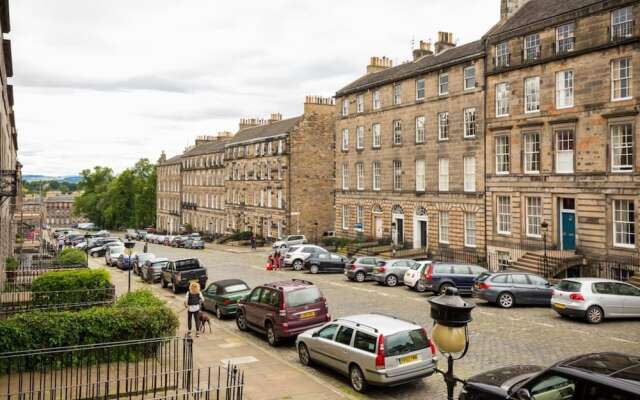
[[169, 170], [564, 89], [211, 160], [469, 173], [269, 148], [168, 186], [470, 130], [203, 178], [257, 171], [169, 205], [468, 83], [263, 198]]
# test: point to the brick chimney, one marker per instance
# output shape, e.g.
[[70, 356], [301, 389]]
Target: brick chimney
[[318, 104], [445, 42], [377, 64], [275, 117], [251, 122], [423, 50], [509, 7], [212, 138]]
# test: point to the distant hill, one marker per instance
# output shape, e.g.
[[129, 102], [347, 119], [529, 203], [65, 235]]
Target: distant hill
[[68, 179]]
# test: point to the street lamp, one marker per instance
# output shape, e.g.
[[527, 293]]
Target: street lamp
[[86, 247], [129, 244], [451, 316], [545, 226]]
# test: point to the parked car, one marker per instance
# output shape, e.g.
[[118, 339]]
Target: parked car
[[151, 270], [370, 349], [414, 273], [112, 253], [440, 275], [137, 260], [102, 250], [296, 257], [507, 289], [151, 238], [283, 309], [179, 273], [167, 240], [360, 269], [391, 272], [131, 234], [102, 233], [595, 299], [222, 297], [178, 241], [100, 241], [289, 241], [194, 243], [325, 262], [597, 376], [123, 262]]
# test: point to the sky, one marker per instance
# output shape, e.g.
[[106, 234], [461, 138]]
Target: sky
[[100, 82]]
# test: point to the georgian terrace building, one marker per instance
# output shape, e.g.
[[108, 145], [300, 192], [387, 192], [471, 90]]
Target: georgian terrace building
[[60, 210], [279, 173], [562, 116], [168, 188], [410, 149]]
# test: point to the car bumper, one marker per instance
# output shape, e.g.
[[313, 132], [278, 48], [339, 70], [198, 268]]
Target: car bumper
[[391, 378], [230, 309], [296, 331], [568, 311], [379, 277], [428, 285], [485, 295]]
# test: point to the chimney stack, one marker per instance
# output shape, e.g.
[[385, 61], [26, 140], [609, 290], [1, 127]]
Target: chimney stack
[[319, 104], [275, 117], [423, 50], [212, 138], [445, 42], [509, 7], [251, 122], [163, 157], [377, 64]]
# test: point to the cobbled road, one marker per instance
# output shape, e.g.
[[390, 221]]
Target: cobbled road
[[523, 335]]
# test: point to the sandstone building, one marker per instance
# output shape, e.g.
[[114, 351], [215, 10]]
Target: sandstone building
[[59, 210], [168, 189]]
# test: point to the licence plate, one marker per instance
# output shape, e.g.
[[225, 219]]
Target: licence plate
[[307, 314], [408, 359], [559, 306]]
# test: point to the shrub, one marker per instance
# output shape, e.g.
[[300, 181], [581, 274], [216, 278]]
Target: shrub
[[72, 280], [10, 264], [336, 241], [139, 298], [71, 256], [238, 236]]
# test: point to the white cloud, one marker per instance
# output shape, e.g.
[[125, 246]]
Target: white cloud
[[108, 82]]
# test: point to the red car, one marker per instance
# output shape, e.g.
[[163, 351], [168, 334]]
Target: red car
[[283, 309]]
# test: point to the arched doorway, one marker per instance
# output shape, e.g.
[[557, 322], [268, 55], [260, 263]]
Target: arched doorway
[[397, 224], [420, 228]]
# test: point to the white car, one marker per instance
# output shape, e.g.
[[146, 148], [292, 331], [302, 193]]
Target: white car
[[289, 241], [299, 254], [412, 276], [112, 254]]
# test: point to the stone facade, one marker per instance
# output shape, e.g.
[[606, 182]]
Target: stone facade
[[59, 209], [403, 137], [562, 112], [168, 189]]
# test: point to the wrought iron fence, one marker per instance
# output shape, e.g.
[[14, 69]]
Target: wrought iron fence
[[159, 368], [22, 278], [619, 268]]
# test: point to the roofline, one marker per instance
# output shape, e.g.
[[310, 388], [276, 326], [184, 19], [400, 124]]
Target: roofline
[[413, 73], [255, 140]]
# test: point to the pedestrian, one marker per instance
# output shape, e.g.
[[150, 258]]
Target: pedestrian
[[253, 241], [193, 301], [60, 243], [270, 262], [278, 260], [146, 247]]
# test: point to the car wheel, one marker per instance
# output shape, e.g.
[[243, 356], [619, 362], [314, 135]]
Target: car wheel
[[241, 322], [594, 315], [314, 269], [357, 379], [219, 314], [297, 265], [174, 287], [360, 276], [505, 300], [391, 280], [284, 246], [444, 287], [420, 287], [303, 354], [272, 337]]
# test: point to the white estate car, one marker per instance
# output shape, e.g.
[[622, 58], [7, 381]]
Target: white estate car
[[289, 241], [299, 254], [412, 276]]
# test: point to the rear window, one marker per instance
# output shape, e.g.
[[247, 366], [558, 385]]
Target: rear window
[[185, 265], [236, 288], [461, 270], [405, 342], [365, 342], [569, 286], [161, 264], [499, 279], [301, 297], [483, 277], [442, 269]]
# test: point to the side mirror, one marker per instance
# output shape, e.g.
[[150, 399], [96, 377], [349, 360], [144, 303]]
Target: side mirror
[[522, 394]]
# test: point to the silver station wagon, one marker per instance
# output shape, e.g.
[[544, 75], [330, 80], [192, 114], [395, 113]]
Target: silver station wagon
[[371, 349]]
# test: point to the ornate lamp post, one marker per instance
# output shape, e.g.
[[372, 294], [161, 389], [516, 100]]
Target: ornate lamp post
[[451, 316], [86, 247], [129, 245], [545, 227]]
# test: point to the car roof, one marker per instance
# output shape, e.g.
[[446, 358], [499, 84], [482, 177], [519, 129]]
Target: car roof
[[591, 280], [291, 284], [228, 282], [383, 324], [616, 369], [158, 259], [398, 259]]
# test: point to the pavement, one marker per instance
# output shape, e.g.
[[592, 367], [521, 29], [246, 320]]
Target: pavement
[[522, 335]]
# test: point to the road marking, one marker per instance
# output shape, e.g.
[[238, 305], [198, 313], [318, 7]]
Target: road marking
[[623, 340], [238, 360], [543, 324], [486, 313]]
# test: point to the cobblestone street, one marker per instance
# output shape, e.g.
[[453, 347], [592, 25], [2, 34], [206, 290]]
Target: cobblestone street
[[524, 335]]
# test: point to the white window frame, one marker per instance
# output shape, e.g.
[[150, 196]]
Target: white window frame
[[532, 45], [360, 137], [502, 99], [470, 230], [503, 154], [503, 215], [376, 136], [421, 169], [360, 103], [397, 175], [565, 148], [376, 104], [622, 23], [443, 84], [359, 175], [565, 38], [421, 87], [420, 128], [443, 227], [345, 110], [532, 152], [397, 132], [397, 93], [345, 176], [466, 76], [470, 122], [443, 126], [534, 215], [502, 55], [532, 95], [345, 217], [443, 174], [564, 89], [345, 139], [360, 218], [469, 166], [617, 79], [624, 223], [622, 147], [376, 175]]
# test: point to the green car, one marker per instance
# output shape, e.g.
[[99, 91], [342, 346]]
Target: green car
[[221, 297]]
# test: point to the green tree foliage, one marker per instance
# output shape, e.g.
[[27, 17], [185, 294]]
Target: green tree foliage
[[127, 200], [37, 186], [71, 256]]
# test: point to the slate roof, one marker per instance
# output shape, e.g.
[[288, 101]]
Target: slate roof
[[414, 68], [265, 131], [172, 160], [206, 148]]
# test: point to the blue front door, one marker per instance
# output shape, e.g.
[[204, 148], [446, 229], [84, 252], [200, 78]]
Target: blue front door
[[568, 231]]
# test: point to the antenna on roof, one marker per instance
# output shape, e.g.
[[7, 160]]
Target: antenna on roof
[[413, 43]]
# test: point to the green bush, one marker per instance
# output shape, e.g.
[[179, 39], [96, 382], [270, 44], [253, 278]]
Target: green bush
[[139, 298], [238, 236], [72, 280], [336, 241], [71, 256], [10, 264]]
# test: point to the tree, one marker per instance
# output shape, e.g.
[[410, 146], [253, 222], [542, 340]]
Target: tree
[[94, 186]]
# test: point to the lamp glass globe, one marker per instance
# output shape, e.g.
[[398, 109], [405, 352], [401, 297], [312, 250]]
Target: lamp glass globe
[[449, 339]]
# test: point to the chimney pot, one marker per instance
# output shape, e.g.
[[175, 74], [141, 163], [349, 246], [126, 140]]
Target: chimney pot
[[445, 41], [423, 49], [377, 64]]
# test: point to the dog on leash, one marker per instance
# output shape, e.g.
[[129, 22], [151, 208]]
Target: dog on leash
[[204, 319]]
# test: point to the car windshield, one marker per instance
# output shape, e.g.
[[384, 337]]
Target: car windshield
[[405, 342], [185, 265], [569, 286], [415, 266], [301, 297], [236, 288], [116, 249]]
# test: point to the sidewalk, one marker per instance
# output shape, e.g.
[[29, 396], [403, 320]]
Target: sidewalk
[[267, 375]]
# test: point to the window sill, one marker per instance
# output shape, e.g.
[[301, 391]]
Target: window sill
[[503, 233], [502, 173], [502, 115], [418, 143], [470, 137], [565, 107], [537, 237], [629, 171], [624, 246], [622, 99]]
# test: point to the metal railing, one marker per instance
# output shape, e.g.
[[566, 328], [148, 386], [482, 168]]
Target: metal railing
[[619, 268]]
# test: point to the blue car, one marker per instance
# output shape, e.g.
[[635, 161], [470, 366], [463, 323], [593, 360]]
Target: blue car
[[440, 275]]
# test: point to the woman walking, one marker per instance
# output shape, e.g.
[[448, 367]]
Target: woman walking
[[193, 301]]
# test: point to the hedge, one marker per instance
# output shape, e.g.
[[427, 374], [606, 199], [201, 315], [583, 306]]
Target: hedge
[[238, 236], [72, 280], [71, 256], [135, 316]]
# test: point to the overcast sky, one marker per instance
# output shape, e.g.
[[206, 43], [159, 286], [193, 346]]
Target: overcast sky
[[102, 82]]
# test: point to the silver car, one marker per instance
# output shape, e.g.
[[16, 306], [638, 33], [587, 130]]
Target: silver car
[[595, 299], [371, 349], [112, 254], [391, 272], [289, 241], [295, 258]]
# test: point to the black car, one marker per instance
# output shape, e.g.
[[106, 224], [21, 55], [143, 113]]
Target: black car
[[138, 260], [507, 289], [597, 376], [325, 262]]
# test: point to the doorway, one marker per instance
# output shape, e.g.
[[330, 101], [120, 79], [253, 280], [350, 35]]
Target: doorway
[[399, 233], [567, 224], [377, 223], [420, 229]]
